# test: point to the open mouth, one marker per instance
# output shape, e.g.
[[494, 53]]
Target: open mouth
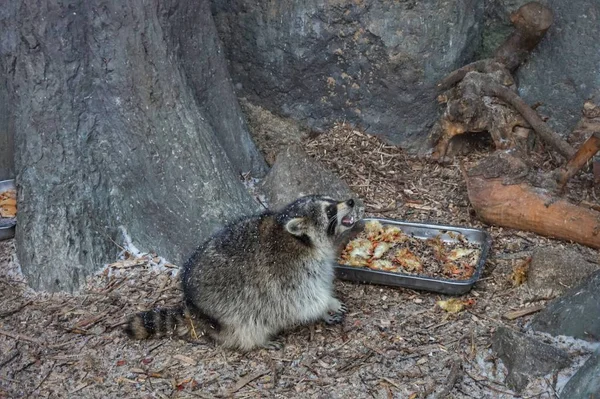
[[348, 221]]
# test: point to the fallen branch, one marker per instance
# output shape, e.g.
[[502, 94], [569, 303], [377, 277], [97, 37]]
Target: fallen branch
[[531, 21], [539, 126], [578, 161], [484, 66]]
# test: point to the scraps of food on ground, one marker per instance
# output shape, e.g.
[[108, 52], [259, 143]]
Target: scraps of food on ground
[[388, 248], [8, 204]]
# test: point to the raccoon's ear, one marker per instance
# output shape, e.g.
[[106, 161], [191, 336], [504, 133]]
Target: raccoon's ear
[[296, 226]]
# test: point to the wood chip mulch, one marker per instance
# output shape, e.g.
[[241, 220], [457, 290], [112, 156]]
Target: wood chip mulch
[[394, 343]]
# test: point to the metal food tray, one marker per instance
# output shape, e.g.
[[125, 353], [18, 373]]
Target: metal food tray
[[7, 225], [420, 282]]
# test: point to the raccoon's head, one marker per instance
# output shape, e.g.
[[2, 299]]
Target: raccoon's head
[[318, 219]]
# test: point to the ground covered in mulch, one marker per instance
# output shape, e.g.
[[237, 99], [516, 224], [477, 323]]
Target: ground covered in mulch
[[394, 343]]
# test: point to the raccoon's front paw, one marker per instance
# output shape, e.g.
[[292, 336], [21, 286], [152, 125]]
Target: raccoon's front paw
[[335, 306], [336, 312], [334, 318]]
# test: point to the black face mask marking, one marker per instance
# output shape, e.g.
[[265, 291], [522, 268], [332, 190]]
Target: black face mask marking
[[331, 212]]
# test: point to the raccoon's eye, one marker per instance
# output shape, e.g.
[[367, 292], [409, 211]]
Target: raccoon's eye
[[331, 212]]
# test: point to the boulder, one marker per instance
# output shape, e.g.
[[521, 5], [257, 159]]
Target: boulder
[[585, 384], [295, 174], [574, 314], [526, 357], [373, 64], [557, 269], [112, 129], [271, 133], [564, 69]]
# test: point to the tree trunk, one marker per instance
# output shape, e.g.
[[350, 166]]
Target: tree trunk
[[7, 164], [121, 111]]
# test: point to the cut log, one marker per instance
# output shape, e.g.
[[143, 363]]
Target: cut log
[[523, 207], [579, 160]]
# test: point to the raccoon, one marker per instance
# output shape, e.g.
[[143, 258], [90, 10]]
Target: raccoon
[[259, 276]]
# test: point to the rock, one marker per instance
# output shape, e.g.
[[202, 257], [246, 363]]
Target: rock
[[556, 269], [374, 64], [295, 174], [271, 133], [113, 129], [526, 357], [575, 314], [585, 384], [563, 70]]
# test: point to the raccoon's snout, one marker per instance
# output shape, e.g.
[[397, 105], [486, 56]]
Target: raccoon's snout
[[348, 220]]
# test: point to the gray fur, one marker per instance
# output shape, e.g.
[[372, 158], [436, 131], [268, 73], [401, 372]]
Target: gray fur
[[265, 274]]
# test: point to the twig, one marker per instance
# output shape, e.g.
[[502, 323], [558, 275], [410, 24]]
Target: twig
[[20, 337], [18, 309], [481, 382], [522, 312], [451, 380], [242, 382], [43, 380], [353, 363], [80, 387], [9, 358]]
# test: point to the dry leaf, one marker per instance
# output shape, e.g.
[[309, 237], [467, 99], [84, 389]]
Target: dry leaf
[[451, 305], [519, 274], [185, 359]]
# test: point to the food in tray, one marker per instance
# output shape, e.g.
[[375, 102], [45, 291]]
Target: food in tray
[[388, 248], [8, 204], [408, 260]]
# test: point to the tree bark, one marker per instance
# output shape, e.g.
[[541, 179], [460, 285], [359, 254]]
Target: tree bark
[[7, 164], [111, 129]]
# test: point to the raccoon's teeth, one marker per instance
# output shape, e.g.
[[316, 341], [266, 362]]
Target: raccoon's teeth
[[348, 220]]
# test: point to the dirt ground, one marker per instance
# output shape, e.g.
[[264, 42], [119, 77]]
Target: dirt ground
[[394, 343]]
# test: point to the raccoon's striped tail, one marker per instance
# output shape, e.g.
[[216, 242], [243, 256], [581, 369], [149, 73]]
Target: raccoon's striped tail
[[158, 323]]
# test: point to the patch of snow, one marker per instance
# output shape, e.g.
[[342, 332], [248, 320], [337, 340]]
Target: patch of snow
[[131, 253], [579, 351], [252, 185]]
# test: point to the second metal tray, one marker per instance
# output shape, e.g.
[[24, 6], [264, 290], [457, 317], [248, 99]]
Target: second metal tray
[[419, 282], [7, 225]]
